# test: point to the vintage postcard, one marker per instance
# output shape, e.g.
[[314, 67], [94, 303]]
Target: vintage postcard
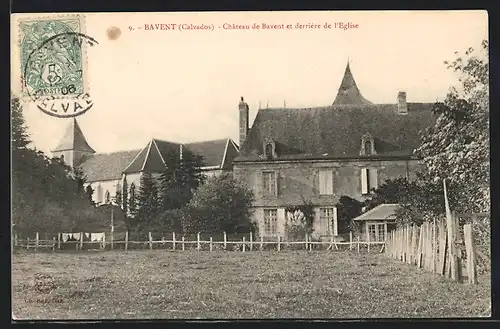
[[250, 165]]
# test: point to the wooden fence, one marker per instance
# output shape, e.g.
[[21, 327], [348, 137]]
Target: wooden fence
[[245, 243], [436, 247]]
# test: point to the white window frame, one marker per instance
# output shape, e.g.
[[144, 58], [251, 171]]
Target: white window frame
[[328, 215], [270, 222], [369, 180], [325, 177], [99, 193], [268, 184], [376, 226]]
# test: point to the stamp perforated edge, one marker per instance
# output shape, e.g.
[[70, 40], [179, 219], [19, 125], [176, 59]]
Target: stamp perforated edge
[[83, 29]]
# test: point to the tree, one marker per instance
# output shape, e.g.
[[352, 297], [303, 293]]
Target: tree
[[47, 196], [20, 136], [220, 204], [347, 209], [457, 146], [80, 179], [181, 177], [147, 202], [299, 220], [89, 191], [398, 190]]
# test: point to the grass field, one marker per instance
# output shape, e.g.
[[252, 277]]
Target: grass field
[[190, 284]]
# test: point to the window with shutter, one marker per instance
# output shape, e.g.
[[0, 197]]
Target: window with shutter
[[364, 181], [369, 180], [373, 175], [325, 182]]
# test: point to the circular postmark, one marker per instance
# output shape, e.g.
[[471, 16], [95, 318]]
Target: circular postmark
[[54, 74]]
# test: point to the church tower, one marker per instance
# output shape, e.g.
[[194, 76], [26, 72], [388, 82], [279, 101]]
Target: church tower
[[73, 146]]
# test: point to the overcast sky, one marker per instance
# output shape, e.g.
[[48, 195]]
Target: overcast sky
[[185, 86]]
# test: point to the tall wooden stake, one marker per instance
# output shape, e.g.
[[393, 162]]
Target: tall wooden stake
[[126, 240], [36, 241], [471, 254], [173, 240], [350, 240], [450, 223]]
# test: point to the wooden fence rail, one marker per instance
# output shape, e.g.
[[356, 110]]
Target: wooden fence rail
[[429, 247], [174, 243]]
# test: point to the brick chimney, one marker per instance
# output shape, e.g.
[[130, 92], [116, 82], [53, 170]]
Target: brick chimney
[[402, 105], [243, 112]]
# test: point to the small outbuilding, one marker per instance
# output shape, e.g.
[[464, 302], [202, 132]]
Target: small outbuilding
[[377, 222]]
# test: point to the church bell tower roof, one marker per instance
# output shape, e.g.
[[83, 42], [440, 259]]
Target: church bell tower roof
[[74, 139]]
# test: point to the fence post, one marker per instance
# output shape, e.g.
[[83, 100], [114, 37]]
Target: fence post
[[150, 241], [198, 239], [126, 240], [58, 240], [279, 240], [261, 242], [350, 240], [442, 247], [358, 244], [28, 244], [210, 243], [225, 240], [450, 223], [81, 240], [243, 244], [183, 243], [420, 246], [53, 243], [112, 239], [471, 254], [429, 246], [251, 241], [37, 239], [434, 246], [408, 244], [173, 240], [305, 243]]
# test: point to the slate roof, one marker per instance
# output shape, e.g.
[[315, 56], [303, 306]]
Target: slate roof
[[386, 211], [110, 166], [74, 139], [107, 166], [335, 132], [213, 152]]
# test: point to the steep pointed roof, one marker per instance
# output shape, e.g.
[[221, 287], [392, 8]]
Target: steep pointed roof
[[349, 93], [74, 139]]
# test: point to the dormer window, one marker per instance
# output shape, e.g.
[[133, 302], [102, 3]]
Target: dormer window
[[269, 148], [367, 145]]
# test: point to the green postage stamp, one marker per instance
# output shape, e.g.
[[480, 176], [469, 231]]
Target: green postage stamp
[[53, 61]]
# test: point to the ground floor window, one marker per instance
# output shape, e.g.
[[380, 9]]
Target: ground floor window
[[270, 221], [326, 218], [377, 232]]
